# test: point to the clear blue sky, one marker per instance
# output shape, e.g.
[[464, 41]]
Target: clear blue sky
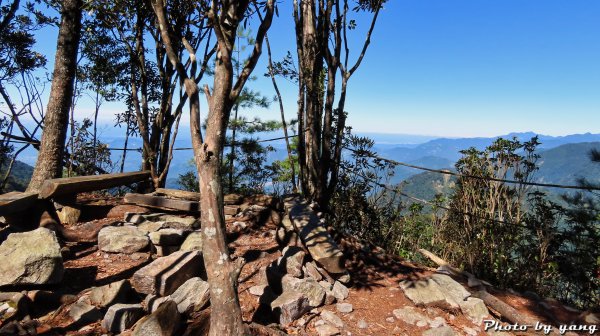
[[462, 68]]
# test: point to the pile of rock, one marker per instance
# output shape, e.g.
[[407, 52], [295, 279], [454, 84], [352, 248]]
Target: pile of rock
[[162, 233], [294, 285]]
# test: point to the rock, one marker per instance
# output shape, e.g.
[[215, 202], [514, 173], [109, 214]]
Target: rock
[[326, 285], [257, 290], [192, 242], [292, 260], [152, 302], [362, 324], [165, 321], [340, 291], [192, 296], [474, 309], [344, 307], [31, 258], [442, 331], [329, 298], [165, 250], [122, 239], [110, 294], [308, 287], [310, 269], [231, 210], [165, 274], [122, 316], [410, 315], [327, 330], [322, 248], [289, 306], [149, 226], [345, 278], [452, 288], [137, 217], [390, 319], [330, 317], [84, 313], [438, 290], [437, 322], [166, 237]]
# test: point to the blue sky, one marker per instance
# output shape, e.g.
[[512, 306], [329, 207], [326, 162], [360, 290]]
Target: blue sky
[[459, 68]]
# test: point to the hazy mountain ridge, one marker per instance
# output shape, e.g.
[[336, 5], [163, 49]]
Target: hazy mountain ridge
[[564, 165]]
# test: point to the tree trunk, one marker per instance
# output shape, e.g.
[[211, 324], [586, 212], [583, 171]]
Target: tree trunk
[[52, 147]]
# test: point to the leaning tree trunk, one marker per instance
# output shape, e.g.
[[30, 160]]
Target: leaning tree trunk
[[52, 147]]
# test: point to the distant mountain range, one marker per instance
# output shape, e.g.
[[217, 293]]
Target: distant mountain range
[[565, 165], [564, 158]]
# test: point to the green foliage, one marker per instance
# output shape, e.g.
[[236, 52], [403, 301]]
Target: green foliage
[[87, 159], [483, 225], [189, 180], [17, 39], [282, 170], [361, 206]]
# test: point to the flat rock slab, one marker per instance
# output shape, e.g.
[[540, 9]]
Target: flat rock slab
[[122, 316], [31, 258], [192, 296], [84, 313], [165, 274], [437, 290], [166, 237], [122, 239], [290, 306], [193, 242], [161, 202], [410, 315], [116, 292], [317, 240]]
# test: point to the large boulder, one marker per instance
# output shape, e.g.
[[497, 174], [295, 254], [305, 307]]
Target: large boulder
[[122, 239], [31, 258], [122, 316], [165, 274], [191, 296], [192, 242], [166, 237], [308, 287], [290, 306], [437, 290]]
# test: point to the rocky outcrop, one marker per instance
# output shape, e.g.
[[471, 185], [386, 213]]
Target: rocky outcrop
[[165, 274], [122, 239], [31, 258]]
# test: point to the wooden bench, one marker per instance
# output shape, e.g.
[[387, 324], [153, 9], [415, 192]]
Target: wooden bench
[[16, 201], [14, 204], [63, 191]]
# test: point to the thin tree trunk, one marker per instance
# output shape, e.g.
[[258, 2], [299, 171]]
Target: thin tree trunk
[[52, 147], [283, 122]]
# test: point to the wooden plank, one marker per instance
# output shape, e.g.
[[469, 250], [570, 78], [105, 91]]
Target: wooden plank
[[16, 201], [73, 185], [230, 199], [317, 240], [182, 194], [161, 202]]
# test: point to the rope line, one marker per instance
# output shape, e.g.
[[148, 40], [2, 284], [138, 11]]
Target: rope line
[[397, 191], [399, 163], [447, 172]]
